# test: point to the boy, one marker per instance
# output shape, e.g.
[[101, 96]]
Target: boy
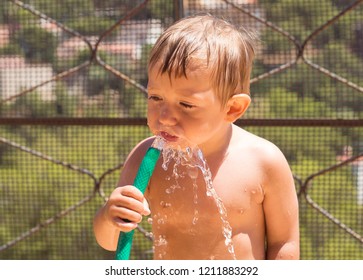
[[199, 72]]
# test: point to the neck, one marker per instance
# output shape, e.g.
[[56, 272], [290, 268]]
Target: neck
[[216, 149]]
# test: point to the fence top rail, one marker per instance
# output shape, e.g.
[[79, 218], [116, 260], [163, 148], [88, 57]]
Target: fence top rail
[[143, 121]]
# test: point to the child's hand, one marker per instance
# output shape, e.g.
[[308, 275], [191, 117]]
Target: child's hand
[[125, 208]]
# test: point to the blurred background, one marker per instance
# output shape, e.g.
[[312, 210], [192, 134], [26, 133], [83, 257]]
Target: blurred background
[[72, 106]]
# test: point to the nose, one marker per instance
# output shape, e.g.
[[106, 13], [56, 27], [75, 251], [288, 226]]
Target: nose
[[167, 115]]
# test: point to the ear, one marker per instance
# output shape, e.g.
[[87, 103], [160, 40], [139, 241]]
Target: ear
[[237, 106]]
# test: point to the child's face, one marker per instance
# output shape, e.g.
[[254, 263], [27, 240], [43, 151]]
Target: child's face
[[184, 109]]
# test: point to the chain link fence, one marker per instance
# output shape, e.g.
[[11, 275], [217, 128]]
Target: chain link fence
[[72, 88]]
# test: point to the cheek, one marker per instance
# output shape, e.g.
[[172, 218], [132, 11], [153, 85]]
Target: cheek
[[199, 130], [152, 110], [152, 117]]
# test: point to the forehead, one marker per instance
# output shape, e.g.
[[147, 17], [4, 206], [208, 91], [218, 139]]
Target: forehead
[[196, 80], [196, 68]]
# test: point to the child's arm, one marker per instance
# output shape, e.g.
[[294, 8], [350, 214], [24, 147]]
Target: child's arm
[[122, 212], [280, 207], [125, 206]]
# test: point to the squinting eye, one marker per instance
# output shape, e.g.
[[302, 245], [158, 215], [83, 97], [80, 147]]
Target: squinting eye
[[186, 105], [154, 98]]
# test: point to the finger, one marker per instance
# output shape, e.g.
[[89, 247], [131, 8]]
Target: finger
[[146, 210], [130, 203], [125, 226], [132, 191], [126, 214]]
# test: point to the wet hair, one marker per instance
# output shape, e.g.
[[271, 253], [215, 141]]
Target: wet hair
[[209, 42]]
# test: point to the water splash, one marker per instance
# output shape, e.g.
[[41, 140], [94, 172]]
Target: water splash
[[192, 158], [160, 241], [210, 191]]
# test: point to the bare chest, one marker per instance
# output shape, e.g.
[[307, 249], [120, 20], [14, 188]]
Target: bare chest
[[196, 205]]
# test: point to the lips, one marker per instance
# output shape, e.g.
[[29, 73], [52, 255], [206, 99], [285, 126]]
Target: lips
[[169, 137]]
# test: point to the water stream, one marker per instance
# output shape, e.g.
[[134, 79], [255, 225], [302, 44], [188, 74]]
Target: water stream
[[193, 160]]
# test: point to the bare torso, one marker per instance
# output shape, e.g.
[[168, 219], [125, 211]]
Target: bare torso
[[186, 221]]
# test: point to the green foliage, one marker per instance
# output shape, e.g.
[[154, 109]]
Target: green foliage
[[339, 59], [3, 12], [275, 43], [65, 104], [335, 194], [294, 106], [91, 25], [65, 9], [43, 189], [299, 18], [160, 9], [63, 64], [37, 44], [31, 105], [11, 49]]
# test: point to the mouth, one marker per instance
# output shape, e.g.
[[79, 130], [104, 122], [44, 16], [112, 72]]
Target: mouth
[[168, 137]]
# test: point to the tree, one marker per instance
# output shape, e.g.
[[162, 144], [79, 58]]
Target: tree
[[37, 44]]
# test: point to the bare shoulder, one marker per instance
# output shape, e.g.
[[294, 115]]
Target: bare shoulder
[[261, 148], [133, 161], [265, 156]]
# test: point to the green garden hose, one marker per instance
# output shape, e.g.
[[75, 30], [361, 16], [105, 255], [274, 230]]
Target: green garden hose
[[141, 181]]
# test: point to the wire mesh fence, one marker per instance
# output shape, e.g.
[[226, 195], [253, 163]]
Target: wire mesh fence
[[72, 88]]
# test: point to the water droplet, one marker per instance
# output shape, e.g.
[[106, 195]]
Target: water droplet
[[231, 250], [192, 231], [195, 198], [160, 241], [193, 172], [195, 220]]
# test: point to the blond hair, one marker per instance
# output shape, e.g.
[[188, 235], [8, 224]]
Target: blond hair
[[210, 42]]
